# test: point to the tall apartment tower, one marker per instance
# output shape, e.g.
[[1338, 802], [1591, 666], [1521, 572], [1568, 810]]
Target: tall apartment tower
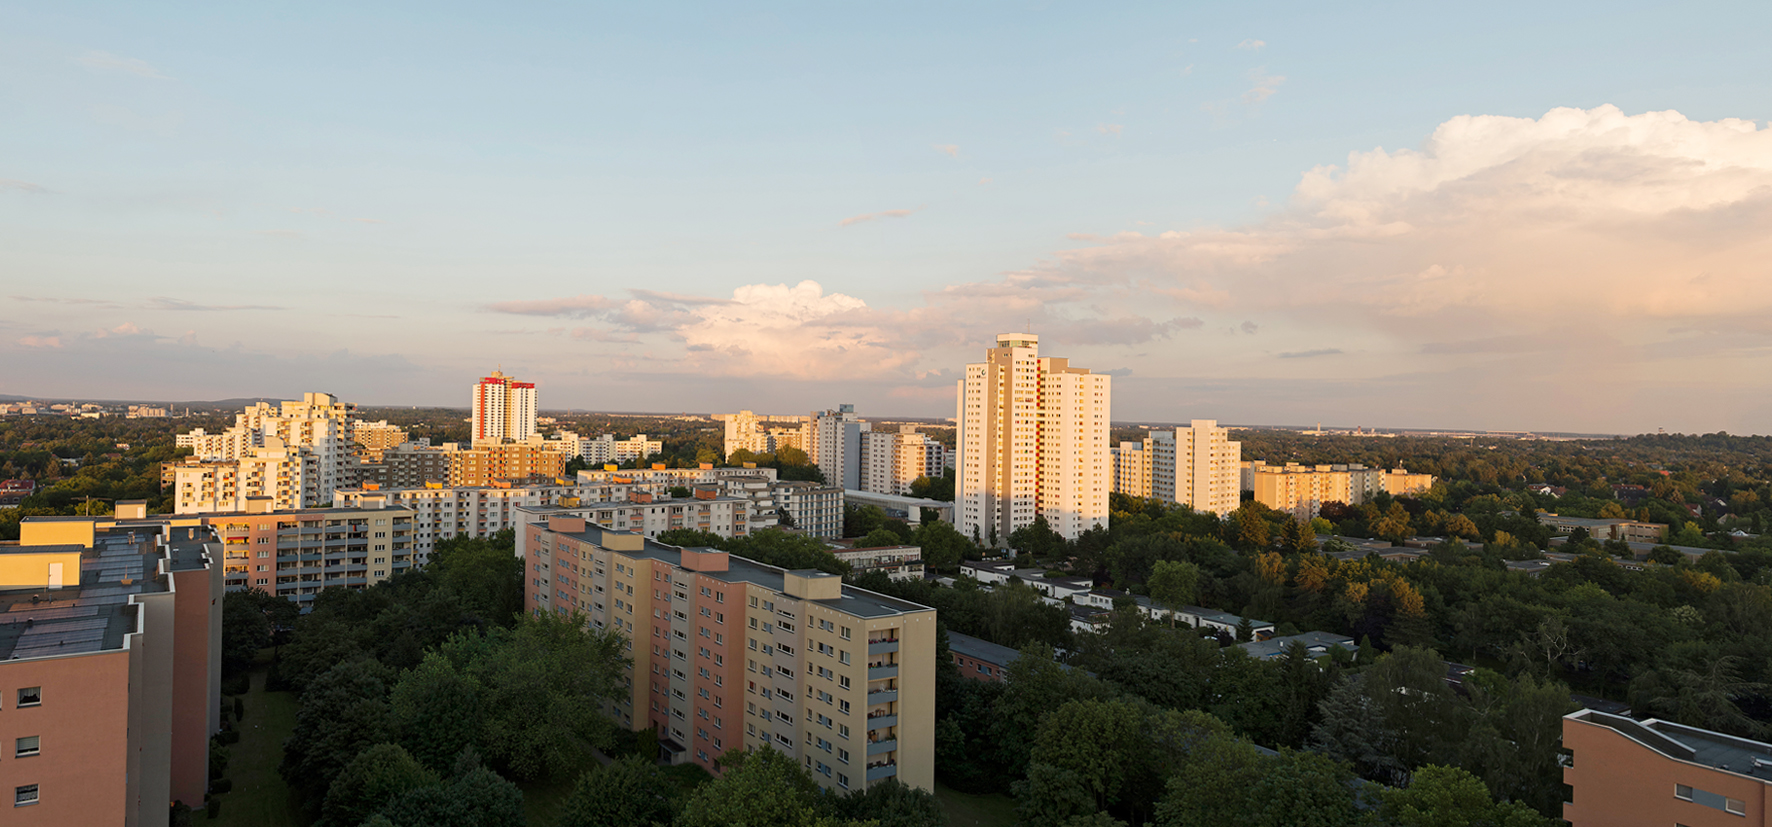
[[503, 408], [1132, 468], [1032, 441], [836, 446], [296, 453], [1198, 466]]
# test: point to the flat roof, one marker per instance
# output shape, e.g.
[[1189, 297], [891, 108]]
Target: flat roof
[[896, 499], [1685, 743], [94, 615], [854, 601], [1274, 647], [980, 649]]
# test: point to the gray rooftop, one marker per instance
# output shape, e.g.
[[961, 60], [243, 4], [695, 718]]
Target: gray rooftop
[[1701, 746], [855, 601], [1317, 643], [981, 649], [94, 615]]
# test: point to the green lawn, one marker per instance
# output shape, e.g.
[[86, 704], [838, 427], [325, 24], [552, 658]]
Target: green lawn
[[260, 798], [976, 810]]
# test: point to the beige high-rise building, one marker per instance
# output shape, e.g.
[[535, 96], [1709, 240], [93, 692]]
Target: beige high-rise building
[[890, 461], [1197, 466], [747, 431], [1032, 442], [1301, 490], [503, 408], [1132, 468]]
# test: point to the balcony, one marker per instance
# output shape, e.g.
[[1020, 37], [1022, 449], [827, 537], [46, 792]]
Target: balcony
[[877, 722], [880, 673], [882, 746], [883, 696], [881, 647], [879, 771]]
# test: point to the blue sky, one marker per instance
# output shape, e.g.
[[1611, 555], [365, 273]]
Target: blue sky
[[626, 204]]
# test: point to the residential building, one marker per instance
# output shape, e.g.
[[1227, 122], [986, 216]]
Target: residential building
[[297, 554], [814, 509], [607, 448], [375, 437], [1197, 466], [1032, 442], [836, 440], [487, 462], [898, 507], [1132, 468], [897, 562], [1402, 483], [297, 454], [746, 431], [1316, 644], [1301, 490], [658, 477], [1621, 771], [408, 465], [13, 492], [110, 667], [838, 678], [503, 408], [891, 461], [980, 659]]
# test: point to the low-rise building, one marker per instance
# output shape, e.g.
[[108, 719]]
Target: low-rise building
[[980, 659], [1316, 644], [1630, 531], [839, 678], [897, 562]]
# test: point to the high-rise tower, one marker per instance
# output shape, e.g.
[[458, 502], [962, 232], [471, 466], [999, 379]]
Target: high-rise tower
[[1033, 441], [503, 408]]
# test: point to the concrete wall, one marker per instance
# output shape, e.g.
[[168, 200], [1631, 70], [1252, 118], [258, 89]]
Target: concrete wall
[[1617, 782], [84, 726]]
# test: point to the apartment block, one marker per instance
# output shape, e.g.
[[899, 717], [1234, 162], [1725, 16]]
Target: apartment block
[[296, 554], [836, 442], [110, 667], [1301, 490], [607, 448], [441, 512], [733, 654], [747, 431], [1198, 466], [815, 509], [1630, 531], [1132, 468], [503, 408], [296, 453], [1622, 771], [375, 437], [1401, 483], [896, 562], [1032, 442], [890, 461]]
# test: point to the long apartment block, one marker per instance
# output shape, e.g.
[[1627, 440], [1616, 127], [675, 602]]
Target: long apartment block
[[729, 653], [297, 554]]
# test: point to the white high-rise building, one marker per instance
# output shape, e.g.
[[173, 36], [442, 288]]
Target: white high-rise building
[[748, 431], [296, 453], [503, 409], [836, 446], [1032, 441], [1198, 466]]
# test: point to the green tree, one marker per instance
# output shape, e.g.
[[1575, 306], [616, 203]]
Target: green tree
[[1038, 539], [892, 804], [1440, 796], [1086, 757], [761, 788], [436, 711], [245, 630], [631, 792], [475, 797], [943, 545], [342, 713], [879, 538], [375, 777], [1174, 584]]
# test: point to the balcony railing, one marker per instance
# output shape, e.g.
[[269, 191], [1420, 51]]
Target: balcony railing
[[884, 770], [881, 647], [882, 746], [880, 673]]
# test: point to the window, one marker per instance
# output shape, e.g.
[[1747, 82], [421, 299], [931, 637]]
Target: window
[[843, 781], [843, 755], [24, 796], [1681, 791], [26, 746], [30, 696], [845, 632], [1735, 805]]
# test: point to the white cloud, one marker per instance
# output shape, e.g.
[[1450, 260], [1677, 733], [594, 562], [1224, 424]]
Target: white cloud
[[40, 342], [1251, 45], [950, 150], [857, 219], [1265, 85], [21, 186], [1113, 129], [105, 61]]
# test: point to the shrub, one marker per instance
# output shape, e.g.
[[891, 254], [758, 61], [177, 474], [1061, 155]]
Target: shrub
[[239, 709], [214, 807], [221, 785], [237, 685]]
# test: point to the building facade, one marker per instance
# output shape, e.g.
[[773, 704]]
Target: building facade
[[110, 668], [1198, 466], [1622, 771], [297, 554], [296, 453], [503, 408], [891, 461], [836, 441], [1032, 442], [1132, 468], [746, 431], [731, 654]]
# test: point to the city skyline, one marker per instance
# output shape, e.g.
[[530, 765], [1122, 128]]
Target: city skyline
[[1378, 216]]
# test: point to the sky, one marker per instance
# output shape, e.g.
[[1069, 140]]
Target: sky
[[1515, 216]]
